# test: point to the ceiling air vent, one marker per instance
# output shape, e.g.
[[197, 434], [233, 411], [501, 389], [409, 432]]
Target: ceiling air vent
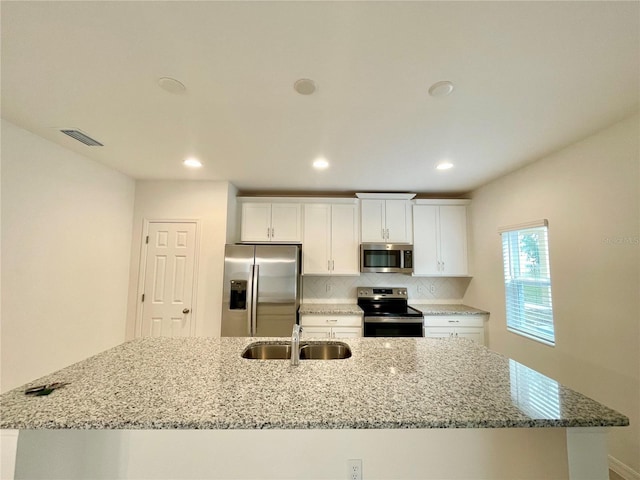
[[82, 137]]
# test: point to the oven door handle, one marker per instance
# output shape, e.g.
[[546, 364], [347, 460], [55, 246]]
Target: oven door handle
[[393, 319]]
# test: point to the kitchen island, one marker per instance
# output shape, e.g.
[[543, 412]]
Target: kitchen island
[[407, 390]]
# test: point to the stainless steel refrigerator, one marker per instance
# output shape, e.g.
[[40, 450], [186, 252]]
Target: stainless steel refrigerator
[[261, 293]]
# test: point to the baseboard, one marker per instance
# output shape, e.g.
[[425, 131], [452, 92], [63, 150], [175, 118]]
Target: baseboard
[[623, 470]]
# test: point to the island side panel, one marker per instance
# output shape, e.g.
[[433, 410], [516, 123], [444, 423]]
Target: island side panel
[[522, 453], [587, 453], [8, 450]]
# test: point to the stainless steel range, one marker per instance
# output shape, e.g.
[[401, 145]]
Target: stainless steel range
[[387, 314]]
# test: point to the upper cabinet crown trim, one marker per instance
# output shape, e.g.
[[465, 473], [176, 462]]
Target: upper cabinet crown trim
[[300, 200], [442, 201], [386, 196]]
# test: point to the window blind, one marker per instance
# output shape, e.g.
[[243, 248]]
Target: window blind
[[527, 281]]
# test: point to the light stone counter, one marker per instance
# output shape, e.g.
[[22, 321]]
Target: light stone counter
[[203, 383], [329, 309], [447, 309]]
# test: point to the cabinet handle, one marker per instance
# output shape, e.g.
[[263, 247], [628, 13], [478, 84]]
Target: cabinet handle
[[332, 320], [333, 265], [273, 233], [268, 232], [383, 237], [329, 265], [387, 234], [454, 321]]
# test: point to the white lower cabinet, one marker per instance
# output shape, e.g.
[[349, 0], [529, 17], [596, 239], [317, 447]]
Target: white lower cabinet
[[331, 326], [465, 326]]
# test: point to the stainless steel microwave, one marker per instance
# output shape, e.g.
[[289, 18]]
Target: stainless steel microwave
[[386, 258]]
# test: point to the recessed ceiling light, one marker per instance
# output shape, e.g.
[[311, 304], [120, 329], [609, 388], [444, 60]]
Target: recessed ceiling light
[[441, 89], [171, 85], [444, 165], [192, 163], [305, 86], [320, 164]]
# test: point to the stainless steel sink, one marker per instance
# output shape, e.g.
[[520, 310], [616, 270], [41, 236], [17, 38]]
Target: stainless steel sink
[[267, 351], [324, 351], [308, 351]]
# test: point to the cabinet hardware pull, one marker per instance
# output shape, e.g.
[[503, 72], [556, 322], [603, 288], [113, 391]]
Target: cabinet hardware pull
[[268, 232], [332, 320]]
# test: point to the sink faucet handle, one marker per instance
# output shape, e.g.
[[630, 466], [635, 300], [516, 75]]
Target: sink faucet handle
[[295, 344]]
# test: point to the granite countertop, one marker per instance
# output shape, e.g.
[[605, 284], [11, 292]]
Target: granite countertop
[[447, 309], [330, 309], [203, 383]]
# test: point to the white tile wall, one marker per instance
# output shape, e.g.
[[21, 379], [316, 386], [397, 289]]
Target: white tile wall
[[327, 289]]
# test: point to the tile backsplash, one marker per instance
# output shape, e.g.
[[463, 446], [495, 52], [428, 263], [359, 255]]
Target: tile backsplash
[[324, 289]]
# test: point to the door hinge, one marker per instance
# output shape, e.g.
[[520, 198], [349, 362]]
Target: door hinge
[[147, 239], [143, 297]]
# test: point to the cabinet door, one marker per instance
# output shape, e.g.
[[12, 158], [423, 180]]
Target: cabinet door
[[438, 332], [316, 240], [453, 240], [285, 222], [475, 334], [346, 332], [345, 244], [256, 222], [397, 221], [372, 221], [425, 240], [316, 332]]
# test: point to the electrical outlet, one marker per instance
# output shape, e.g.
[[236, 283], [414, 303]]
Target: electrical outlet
[[432, 288], [354, 467], [329, 287], [421, 289]]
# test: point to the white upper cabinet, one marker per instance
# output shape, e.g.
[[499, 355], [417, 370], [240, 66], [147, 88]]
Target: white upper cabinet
[[440, 240], [330, 240], [385, 221], [271, 222]]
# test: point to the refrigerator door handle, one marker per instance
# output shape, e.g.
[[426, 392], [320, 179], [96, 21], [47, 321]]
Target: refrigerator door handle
[[253, 315]]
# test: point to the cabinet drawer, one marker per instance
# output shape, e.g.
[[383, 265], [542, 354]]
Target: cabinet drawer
[[473, 333], [331, 320], [454, 320]]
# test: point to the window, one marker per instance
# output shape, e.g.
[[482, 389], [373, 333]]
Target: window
[[527, 281]]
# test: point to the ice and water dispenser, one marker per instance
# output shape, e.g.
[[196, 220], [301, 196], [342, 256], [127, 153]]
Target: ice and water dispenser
[[238, 299]]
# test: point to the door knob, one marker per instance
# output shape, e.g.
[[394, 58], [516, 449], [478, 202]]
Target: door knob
[[186, 310]]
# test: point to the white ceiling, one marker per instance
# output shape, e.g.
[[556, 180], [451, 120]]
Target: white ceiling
[[530, 78]]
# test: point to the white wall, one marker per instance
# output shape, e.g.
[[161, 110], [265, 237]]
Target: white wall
[[194, 200], [589, 192], [66, 236]]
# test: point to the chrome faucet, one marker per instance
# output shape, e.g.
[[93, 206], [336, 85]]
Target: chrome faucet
[[295, 345]]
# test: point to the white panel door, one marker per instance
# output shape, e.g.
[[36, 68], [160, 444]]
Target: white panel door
[[425, 240], [345, 244], [285, 222], [256, 222], [168, 285], [372, 221], [397, 223], [453, 240], [316, 241]]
